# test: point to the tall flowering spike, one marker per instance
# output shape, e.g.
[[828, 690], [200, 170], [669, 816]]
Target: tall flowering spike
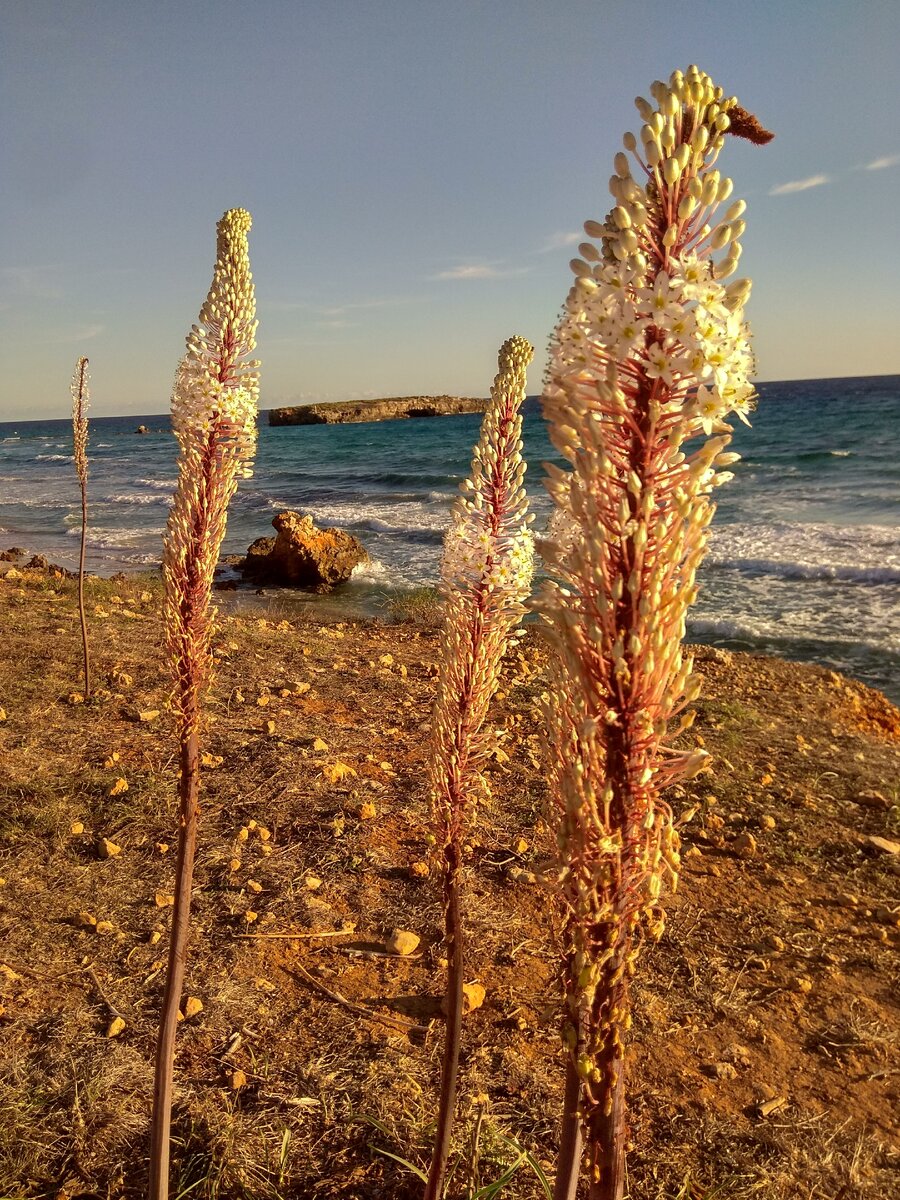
[[81, 397], [214, 405], [80, 403], [485, 580], [649, 358]]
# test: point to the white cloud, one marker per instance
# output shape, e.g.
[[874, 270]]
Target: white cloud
[[559, 241], [479, 271], [799, 185], [879, 164]]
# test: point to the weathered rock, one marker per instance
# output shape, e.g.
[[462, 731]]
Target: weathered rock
[[37, 562], [142, 429], [303, 556], [402, 941]]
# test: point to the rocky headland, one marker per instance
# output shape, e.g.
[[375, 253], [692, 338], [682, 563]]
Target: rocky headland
[[390, 409]]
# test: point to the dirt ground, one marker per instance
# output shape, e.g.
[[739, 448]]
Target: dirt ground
[[765, 1053]]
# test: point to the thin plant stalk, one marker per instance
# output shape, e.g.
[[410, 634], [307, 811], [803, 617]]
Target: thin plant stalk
[[650, 356], [214, 406], [485, 578], [80, 400]]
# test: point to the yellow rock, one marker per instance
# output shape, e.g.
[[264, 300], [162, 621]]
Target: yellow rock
[[300, 689], [110, 762], [262, 701], [154, 938], [520, 845], [2, 714], [148, 715], [164, 900], [335, 772], [237, 1079], [250, 916], [119, 787], [419, 870], [387, 660], [77, 827], [212, 760], [402, 941], [115, 1027], [264, 834], [251, 825], [104, 927], [75, 698], [146, 597], [318, 744], [270, 727], [108, 849], [162, 847], [235, 864], [473, 996], [253, 886], [243, 833], [87, 920], [313, 882], [367, 811], [193, 1005]]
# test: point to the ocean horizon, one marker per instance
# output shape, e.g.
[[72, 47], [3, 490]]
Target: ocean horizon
[[803, 562]]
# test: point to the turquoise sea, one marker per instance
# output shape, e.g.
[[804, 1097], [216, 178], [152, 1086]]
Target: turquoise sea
[[804, 561]]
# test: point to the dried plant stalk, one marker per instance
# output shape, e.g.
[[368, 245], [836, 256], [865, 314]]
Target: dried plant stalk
[[485, 579], [214, 406], [80, 401], [650, 356]]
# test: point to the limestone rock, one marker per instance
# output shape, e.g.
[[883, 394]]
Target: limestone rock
[[303, 556], [402, 941]]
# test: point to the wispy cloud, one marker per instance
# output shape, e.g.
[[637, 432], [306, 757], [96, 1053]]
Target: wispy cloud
[[82, 334], [479, 271], [879, 164], [799, 185], [559, 241]]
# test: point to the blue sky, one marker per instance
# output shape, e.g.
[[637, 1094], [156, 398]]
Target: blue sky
[[416, 171]]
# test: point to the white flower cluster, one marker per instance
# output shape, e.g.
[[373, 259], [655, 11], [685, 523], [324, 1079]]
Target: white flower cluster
[[202, 407], [472, 557], [80, 402], [648, 302]]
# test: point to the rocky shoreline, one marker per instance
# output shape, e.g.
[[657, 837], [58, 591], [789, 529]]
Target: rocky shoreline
[[394, 408]]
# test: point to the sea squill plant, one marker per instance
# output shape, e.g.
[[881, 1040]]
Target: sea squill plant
[[485, 579], [80, 400], [649, 358], [214, 407]]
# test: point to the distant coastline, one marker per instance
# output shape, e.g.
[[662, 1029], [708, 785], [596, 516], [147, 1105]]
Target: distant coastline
[[393, 408]]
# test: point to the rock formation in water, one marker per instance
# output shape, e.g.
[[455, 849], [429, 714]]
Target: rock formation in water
[[393, 409]]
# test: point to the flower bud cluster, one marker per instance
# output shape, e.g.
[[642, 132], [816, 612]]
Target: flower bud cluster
[[485, 579], [80, 402], [214, 407], [650, 356]]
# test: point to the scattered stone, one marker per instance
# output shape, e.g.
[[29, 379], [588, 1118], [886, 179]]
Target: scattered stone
[[473, 996], [765, 1108], [887, 916], [164, 900], [720, 1070], [86, 920], [744, 845], [419, 870], [103, 927], [107, 848], [253, 886], [155, 937], [119, 787], [142, 429], [250, 916], [872, 799], [773, 942], [148, 715], [885, 845], [313, 882], [12, 573], [115, 1027], [367, 811], [766, 822], [75, 698], [2, 715], [847, 900], [402, 941], [237, 1080], [303, 556], [739, 1054], [193, 1005], [802, 984], [76, 827]]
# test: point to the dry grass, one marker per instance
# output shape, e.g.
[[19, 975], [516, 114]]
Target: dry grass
[[74, 1104]]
